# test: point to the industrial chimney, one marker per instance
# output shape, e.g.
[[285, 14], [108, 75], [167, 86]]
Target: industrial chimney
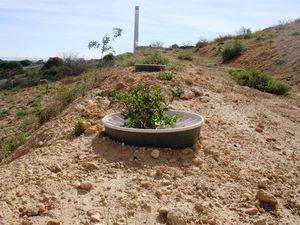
[[136, 29]]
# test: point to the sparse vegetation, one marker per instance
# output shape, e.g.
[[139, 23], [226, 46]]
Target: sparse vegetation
[[104, 44], [155, 58], [245, 33], [177, 92], [185, 56], [79, 127], [166, 75], [261, 81], [231, 50], [144, 108]]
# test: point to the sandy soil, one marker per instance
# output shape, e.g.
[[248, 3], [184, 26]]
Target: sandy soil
[[244, 169]]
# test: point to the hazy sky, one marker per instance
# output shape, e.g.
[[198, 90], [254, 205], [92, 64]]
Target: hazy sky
[[42, 28]]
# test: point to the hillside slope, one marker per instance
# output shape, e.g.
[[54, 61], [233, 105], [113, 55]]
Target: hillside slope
[[275, 50], [250, 142]]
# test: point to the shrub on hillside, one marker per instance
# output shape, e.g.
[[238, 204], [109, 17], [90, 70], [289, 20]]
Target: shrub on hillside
[[245, 33], [168, 75], [231, 50], [155, 58], [185, 56], [79, 127], [108, 60], [222, 38], [25, 62], [53, 62], [202, 43], [261, 81], [9, 69]]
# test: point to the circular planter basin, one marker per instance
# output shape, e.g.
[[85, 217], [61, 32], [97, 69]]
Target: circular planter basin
[[184, 134], [149, 67]]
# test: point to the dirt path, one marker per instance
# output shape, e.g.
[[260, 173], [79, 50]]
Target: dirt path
[[250, 142]]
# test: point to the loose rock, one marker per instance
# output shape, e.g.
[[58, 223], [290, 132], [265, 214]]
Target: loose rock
[[265, 197], [176, 217], [155, 154], [53, 222], [204, 99], [90, 166], [86, 186]]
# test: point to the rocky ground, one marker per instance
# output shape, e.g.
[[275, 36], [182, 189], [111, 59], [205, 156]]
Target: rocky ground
[[243, 170]]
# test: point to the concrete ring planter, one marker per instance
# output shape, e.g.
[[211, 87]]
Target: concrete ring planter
[[149, 67], [185, 133]]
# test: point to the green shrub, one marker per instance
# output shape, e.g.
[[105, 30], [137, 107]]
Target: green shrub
[[261, 81], [22, 112], [231, 50], [177, 92], [264, 37], [144, 108], [53, 62], [166, 75], [108, 60], [245, 33], [4, 112], [25, 62], [187, 57], [29, 123], [155, 58], [11, 143], [79, 127]]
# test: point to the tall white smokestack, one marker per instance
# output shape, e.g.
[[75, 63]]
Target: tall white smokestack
[[136, 28]]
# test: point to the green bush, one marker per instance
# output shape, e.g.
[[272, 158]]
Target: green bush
[[11, 143], [187, 57], [21, 113], [155, 58], [53, 62], [25, 62], [261, 81], [177, 92], [231, 50], [144, 108], [79, 127], [4, 112], [166, 75], [108, 60]]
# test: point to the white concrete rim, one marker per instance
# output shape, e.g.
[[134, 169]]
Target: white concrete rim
[[108, 124]]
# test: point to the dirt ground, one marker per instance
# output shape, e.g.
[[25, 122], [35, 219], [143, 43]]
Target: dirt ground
[[243, 170]]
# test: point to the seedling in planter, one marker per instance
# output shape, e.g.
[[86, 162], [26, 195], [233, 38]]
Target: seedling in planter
[[144, 108]]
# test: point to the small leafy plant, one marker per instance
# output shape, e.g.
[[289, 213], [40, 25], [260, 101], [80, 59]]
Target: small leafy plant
[[144, 108], [177, 92], [168, 75], [231, 50], [187, 57], [79, 127], [155, 58], [261, 81]]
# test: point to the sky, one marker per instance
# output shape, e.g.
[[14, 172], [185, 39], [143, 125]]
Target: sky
[[44, 28]]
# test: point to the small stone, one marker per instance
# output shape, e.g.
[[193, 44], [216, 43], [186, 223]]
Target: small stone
[[188, 95], [55, 168], [265, 197], [163, 212], [40, 143], [90, 131], [155, 154], [187, 151], [204, 99], [176, 217], [251, 211], [86, 125], [263, 183], [86, 186], [197, 90], [197, 162], [90, 166], [95, 217], [200, 207], [53, 222], [260, 222]]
